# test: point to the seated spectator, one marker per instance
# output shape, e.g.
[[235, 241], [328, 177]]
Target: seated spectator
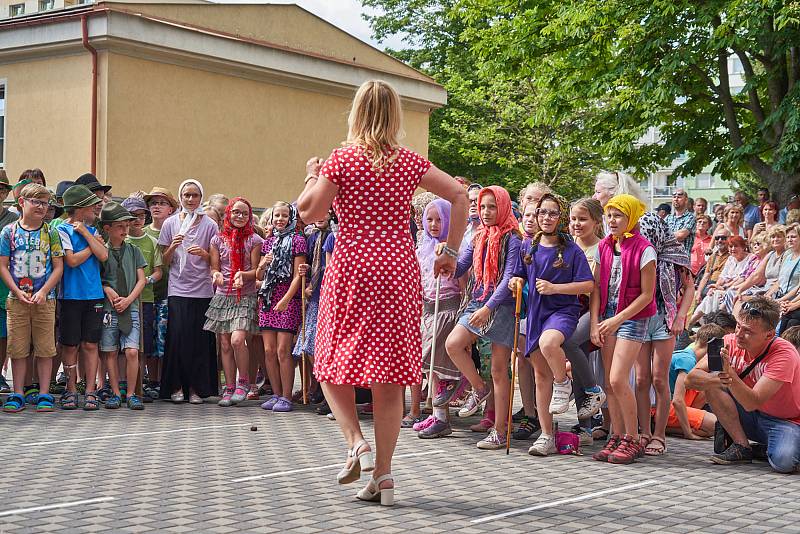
[[703, 241], [793, 217], [751, 214], [769, 217], [787, 289], [792, 204], [766, 275], [686, 415], [719, 214], [715, 264], [732, 220], [700, 206], [763, 405], [738, 261]]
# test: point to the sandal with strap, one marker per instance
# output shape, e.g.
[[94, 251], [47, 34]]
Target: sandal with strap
[[409, 421], [655, 450], [45, 403], [14, 403], [69, 401], [373, 492], [361, 461], [90, 402], [600, 433]]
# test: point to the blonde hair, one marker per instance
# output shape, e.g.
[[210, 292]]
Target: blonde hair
[[620, 183], [729, 208], [794, 227], [266, 218], [778, 229], [533, 186], [595, 211], [762, 239], [34, 190], [375, 122], [793, 216]]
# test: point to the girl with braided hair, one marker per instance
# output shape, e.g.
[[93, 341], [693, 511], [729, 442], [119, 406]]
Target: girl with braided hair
[[556, 271], [235, 253]]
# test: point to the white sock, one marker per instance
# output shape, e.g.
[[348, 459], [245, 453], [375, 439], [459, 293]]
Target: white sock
[[440, 413]]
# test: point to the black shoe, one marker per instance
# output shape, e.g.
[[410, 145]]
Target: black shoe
[[760, 452], [4, 387], [735, 454], [323, 409], [317, 397], [519, 416], [528, 428]]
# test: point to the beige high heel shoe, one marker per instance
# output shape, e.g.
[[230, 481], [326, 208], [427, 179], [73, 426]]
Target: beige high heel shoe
[[363, 461], [373, 492]]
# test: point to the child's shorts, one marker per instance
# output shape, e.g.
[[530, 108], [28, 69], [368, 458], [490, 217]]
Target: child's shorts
[[148, 327], [80, 321], [3, 324], [161, 309], [632, 329], [31, 324], [657, 329], [502, 329], [113, 339]]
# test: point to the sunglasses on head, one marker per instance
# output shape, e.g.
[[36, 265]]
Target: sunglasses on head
[[751, 310]]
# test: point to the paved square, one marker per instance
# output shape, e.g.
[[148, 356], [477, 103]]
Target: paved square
[[180, 469]]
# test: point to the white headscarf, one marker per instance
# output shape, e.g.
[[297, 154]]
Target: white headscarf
[[188, 220]]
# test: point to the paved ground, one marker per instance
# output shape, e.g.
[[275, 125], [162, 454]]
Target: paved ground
[[173, 469]]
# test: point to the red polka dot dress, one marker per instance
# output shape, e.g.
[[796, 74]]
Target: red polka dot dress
[[371, 305]]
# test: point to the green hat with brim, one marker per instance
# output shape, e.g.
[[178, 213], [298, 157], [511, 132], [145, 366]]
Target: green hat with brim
[[4, 180], [114, 212], [79, 196]]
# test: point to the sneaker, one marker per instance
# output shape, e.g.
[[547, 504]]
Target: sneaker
[[331, 417], [134, 402], [177, 396], [239, 393], [425, 423], [528, 428], [585, 437], [438, 429], [447, 390], [735, 454], [592, 402], [626, 452], [543, 446], [270, 403], [283, 405], [475, 400], [559, 401], [113, 402], [194, 398], [519, 416], [4, 387], [252, 394], [484, 425], [493, 441], [151, 390], [225, 401], [611, 445]]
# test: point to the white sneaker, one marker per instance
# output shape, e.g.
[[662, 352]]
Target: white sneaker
[[592, 402], [493, 441], [543, 446], [559, 402]]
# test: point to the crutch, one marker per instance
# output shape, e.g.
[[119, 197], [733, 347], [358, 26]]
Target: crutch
[[303, 339], [429, 400], [518, 292]]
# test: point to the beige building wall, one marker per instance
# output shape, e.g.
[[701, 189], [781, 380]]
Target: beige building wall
[[164, 123], [48, 109]]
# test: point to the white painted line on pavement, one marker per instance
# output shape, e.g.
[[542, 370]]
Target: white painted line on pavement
[[584, 497], [135, 434], [54, 506], [323, 467]]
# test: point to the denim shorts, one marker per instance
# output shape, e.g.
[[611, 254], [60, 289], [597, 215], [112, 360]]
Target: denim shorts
[[632, 329], [502, 329], [112, 339], [657, 329]]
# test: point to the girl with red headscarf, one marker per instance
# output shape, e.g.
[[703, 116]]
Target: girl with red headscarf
[[489, 312], [233, 314]]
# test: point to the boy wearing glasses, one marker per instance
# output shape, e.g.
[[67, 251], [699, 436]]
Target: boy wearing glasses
[[31, 265]]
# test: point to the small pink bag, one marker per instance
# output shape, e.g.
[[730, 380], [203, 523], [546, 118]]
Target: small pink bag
[[568, 443]]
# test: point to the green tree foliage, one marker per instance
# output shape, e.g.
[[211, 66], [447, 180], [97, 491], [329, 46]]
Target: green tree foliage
[[487, 131], [619, 67]]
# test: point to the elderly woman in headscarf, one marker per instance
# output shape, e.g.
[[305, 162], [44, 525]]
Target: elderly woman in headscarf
[[674, 295], [190, 356]]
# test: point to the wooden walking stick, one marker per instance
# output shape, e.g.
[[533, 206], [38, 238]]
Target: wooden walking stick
[[518, 307], [429, 400], [303, 384]]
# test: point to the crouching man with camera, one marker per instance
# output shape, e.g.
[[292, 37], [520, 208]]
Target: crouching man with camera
[[753, 387]]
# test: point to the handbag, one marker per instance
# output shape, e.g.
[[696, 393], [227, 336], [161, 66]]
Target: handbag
[[722, 440]]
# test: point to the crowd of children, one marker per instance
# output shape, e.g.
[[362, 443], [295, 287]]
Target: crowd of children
[[126, 302]]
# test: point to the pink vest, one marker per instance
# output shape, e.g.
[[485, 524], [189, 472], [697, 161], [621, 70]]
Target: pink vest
[[630, 286]]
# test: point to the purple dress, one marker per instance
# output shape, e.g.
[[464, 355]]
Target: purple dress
[[289, 320], [551, 312]]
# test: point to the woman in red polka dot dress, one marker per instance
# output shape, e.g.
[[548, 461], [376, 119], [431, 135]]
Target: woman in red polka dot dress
[[371, 305]]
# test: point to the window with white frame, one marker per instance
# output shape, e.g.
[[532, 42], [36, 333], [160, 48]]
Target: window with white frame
[[705, 181], [47, 5], [15, 10], [2, 125]]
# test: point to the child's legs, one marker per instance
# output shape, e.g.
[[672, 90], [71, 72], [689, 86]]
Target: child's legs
[[110, 357], [544, 390], [132, 369], [500, 358], [69, 357], [92, 362], [43, 319], [20, 333], [270, 338], [19, 368], [241, 354], [625, 353], [550, 346], [662, 357], [644, 378], [416, 396], [614, 419], [527, 385], [44, 368], [228, 362], [286, 362], [459, 348]]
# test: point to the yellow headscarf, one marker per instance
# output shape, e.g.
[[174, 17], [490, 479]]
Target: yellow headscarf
[[632, 207]]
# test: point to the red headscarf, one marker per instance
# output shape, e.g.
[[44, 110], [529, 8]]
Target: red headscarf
[[489, 238], [235, 238]]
